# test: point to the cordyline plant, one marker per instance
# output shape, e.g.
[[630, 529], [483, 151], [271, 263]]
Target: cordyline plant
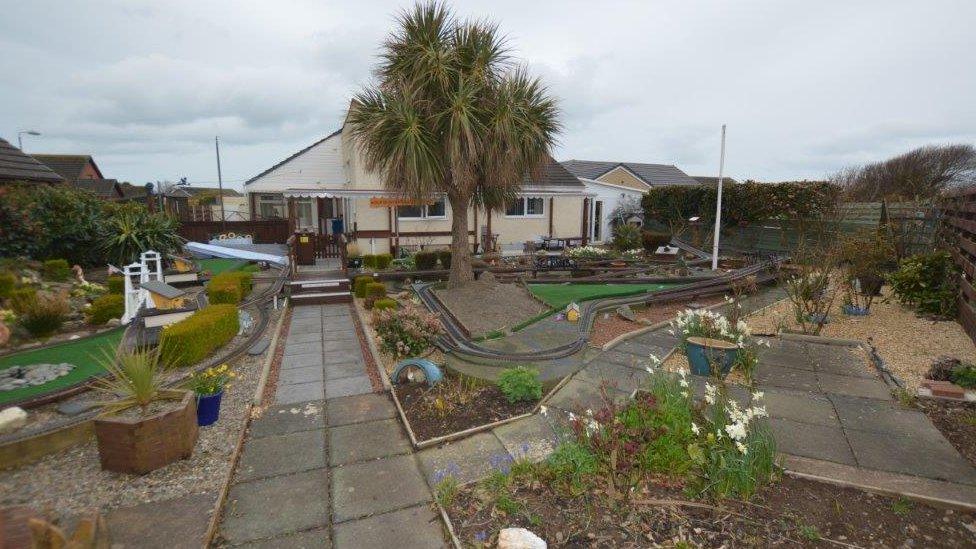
[[453, 115], [135, 378]]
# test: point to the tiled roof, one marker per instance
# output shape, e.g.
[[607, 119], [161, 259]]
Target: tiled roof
[[162, 288], [652, 174], [17, 166], [555, 175], [68, 165], [713, 181], [197, 190], [103, 188]]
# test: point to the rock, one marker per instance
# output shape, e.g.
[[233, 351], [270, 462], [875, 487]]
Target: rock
[[4, 333], [113, 322], [17, 377], [11, 419], [519, 538], [75, 407], [626, 313]]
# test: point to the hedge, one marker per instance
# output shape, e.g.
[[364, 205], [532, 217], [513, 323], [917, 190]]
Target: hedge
[[384, 304], [425, 261], [444, 256], [106, 308], [7, 283], [229, 287], [56, 269], [374, 292], [116, 284], [369, 261], [383, 261], [195, 338], [359, 285]]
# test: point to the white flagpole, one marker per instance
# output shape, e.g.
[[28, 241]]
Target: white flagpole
[[718, 203]]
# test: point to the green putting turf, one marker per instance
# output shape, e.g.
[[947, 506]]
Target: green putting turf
[[219, 265], [558, 296], [85, 354]]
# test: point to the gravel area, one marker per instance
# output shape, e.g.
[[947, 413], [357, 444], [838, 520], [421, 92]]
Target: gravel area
[[72, 482], [907, 343], [485, 305], [610, 325]]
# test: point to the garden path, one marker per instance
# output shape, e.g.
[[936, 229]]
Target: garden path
[[329, 464]]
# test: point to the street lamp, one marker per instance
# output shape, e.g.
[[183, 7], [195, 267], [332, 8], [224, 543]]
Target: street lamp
[[20, 141]]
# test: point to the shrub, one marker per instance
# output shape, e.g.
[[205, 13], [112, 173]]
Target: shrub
[[383, 261], [45, 314], [116, 284], [384, 304], [369, 261], [444, 256], [21, 299], [626, 237], [964, 375], [56, 269], [652, 240], [196, 337], [7, 283], [359, 285], [520, 384], [229, 287], [374, 291], [929, 283], [45, 221], [106, 308], [132, 229], [406, 332], [425, 260], [589, 252]]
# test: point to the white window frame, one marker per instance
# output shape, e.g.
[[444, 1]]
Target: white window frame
[[272, 200], [423, 213], [525, 208]]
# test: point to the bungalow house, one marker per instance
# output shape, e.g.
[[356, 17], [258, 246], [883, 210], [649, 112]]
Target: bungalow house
[[616, 183], [16, 166], [325, 188], [81, 171]]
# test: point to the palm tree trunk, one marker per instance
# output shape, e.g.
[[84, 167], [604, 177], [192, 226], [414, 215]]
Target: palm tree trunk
[[460, 249]]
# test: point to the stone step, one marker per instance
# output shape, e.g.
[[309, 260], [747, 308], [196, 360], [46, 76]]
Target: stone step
[[319, 285], [319, 298]]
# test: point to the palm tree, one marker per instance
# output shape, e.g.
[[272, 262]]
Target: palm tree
[[453, 114]]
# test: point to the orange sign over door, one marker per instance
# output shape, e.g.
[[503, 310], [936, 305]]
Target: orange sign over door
[[392, 201]]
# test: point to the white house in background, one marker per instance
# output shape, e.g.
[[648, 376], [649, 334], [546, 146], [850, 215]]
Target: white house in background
[[609, 182], [324, 188]]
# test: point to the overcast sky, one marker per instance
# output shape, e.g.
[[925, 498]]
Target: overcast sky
[[806, 88]]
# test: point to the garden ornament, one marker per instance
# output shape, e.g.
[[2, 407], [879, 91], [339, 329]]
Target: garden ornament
[[79, 275], [573, 313], [432, 372]]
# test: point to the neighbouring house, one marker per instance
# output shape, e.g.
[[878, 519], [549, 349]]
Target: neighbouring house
[[710, 181], [17, 166], [612, 183], [203, 203], [81, 171], [325, 188]]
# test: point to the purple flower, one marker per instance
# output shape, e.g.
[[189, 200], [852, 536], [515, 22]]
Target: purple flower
[[501, 462], [481, 536]]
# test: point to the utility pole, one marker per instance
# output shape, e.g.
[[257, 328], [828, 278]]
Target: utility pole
[[220, 185], [718, 203]]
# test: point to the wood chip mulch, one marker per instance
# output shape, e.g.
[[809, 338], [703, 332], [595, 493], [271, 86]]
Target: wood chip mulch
[[610, 325]]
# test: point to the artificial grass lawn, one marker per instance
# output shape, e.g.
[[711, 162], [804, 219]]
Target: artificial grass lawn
[[219, 265], [85, 354], [559, 296]]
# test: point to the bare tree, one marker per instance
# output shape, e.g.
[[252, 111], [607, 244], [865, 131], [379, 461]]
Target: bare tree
[[922, 173]]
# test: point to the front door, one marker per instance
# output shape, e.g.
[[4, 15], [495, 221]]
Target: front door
[[598, 221]]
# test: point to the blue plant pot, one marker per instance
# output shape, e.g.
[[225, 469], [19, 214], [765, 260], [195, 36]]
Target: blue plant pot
[[701, 359], [854, 310], [818, 319], [208, 408]]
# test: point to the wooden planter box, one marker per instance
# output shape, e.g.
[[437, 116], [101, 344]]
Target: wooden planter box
[[141, 445]]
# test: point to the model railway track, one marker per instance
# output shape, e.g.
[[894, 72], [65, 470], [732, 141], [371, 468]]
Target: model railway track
[[455, 341]]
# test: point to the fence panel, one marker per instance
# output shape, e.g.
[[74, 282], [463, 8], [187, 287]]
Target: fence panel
[[959, 228], [269, 231]]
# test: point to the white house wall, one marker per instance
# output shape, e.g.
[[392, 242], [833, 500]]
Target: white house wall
[[321, 166], [610, 195]]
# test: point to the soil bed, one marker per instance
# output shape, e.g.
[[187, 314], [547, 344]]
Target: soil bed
[[610, 325], [484, 305], [956, 421], [483, 405], [793, 512]]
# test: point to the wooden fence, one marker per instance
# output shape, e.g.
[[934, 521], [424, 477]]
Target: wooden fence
[[269, 231], [959, 226]]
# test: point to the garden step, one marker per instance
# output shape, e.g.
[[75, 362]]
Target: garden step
[[319, 298], [319, 285]]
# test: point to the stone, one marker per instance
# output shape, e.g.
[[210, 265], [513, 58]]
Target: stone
[[75, 407], [17, 377], [519, 538], [11, 419], [626, 313], [114, 322]]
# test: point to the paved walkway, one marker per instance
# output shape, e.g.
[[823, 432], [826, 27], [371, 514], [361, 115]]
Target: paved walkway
[[329, 464]]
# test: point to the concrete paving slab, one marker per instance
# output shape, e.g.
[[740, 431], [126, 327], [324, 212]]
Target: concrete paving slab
[[306, 312], [300, 502], [317, 538], [346, 334], [854, 386], [282, 454], [378, 486], [621, 377], [800, 406], [301, 361], [417, 527], [625, 359], [330, 346], [290, 418], [640, 349], [787, 378], [466, 460], [531, 438], [310, 337], [305, 323], [178, 522], [339, 357], [335, 310], [782, 360], [303, 348], [337, 324], [299, 392], [305, 328], [657, 338], [355, 409], [813, 441], [341, 370], [308, 374], [879, 416], [365, 441], [347, 386], [579, 395], [924, 454]]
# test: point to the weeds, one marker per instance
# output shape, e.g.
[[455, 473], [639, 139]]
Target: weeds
[[901, 506], [445, 491]]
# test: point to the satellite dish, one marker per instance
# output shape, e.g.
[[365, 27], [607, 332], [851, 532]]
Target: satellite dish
[[149, 188]]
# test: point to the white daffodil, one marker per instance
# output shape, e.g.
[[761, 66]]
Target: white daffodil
[[695, 429], [742, 448], [543, 410]]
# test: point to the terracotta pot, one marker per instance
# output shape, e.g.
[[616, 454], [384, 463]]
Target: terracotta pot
[[140, 445]]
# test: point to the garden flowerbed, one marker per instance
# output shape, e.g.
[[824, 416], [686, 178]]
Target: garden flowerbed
[[609, 325], [956, 421]]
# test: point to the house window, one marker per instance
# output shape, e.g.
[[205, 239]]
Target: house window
[[271, 206], [527, 206], [424, 211], [303, 211]]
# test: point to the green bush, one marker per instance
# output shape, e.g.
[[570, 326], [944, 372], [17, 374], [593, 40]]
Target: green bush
[[369, 261], [57, 270], [359, 285], [626, 237], [45, 314], [116, 284], [106, 308], [132, 229], [652, 240], [386, 303], [383, 261], [929, 283], [45, 221], [374, 291], [964, 375], [520, 384], [22, 299], [444, 256], [7, 283], [196, 337], [426, 261], [229, 287]]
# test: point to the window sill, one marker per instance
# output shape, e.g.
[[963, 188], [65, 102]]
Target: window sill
[[533, 216], [411, 219]]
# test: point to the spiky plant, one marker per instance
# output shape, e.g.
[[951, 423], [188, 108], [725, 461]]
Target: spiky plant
[[453, 114], [135, 378], [131, 230]]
